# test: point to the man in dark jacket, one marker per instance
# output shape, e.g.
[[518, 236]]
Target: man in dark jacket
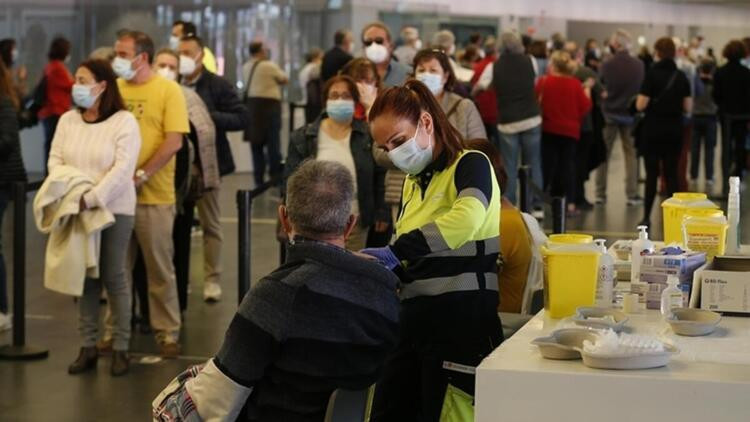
[[323, 321], [228, 114], [337, 57]]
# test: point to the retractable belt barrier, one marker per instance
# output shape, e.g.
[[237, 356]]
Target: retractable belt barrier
[[19, 350], [244, 214], [529, 189]]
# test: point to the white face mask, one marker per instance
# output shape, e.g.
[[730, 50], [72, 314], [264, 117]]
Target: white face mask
[[167, 73], [376, 53], [187, 65], [174, 42], [367, 93], [433, 81], [418, 44], [451, 51], [14, 56], [123, 68], [409, 157]]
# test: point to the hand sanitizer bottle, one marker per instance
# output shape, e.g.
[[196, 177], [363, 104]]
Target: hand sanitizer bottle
[[671, 297], [605, 276], [640, 247]]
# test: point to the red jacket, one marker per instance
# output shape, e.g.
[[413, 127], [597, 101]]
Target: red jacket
[[564, 104], [59, 84], [486, 100]]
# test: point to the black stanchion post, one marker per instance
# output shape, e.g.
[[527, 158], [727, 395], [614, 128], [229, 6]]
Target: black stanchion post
[[558, 215], [19, 350], [523, 182], [292, 110], [244, 206]]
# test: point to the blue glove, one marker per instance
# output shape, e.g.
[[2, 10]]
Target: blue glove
[[384, 255]]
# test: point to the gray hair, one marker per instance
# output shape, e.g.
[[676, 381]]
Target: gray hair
[[621, 40], [510, 42], [444, 39], [319, 198]]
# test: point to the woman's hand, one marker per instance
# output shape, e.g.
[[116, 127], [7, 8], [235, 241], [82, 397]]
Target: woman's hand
[[384, 255]]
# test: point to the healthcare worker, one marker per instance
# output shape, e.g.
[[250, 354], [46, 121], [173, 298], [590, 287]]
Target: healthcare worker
[[445, 253]]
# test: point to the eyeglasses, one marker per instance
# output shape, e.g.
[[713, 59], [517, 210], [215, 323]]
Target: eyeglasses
[[377, 40]]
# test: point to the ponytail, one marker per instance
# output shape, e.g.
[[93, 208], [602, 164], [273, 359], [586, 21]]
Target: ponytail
[[408, 102]]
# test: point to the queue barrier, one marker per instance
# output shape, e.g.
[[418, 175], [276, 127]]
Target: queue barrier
[[19, 350]]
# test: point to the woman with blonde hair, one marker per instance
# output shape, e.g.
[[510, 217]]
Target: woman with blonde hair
[[564, 103]]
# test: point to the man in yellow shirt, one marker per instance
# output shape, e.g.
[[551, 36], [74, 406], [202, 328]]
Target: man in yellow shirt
[[159, 106]]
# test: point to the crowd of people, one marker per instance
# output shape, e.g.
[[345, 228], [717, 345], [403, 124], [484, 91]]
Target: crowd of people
[[398, 195]]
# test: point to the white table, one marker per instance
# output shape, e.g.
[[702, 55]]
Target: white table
[[705, 382]]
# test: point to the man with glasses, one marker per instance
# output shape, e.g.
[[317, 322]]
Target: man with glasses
[[377, 41]]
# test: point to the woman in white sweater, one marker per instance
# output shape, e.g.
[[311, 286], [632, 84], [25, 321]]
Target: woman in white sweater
[[102, 139]]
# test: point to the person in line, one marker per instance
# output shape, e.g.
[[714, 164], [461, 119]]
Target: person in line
[[592, 55], [192, 181], [520, 122], [338, 56], [59, 83], [732, 96], [263, 81], [445, 252], [378, 47], [445, 40], [228, 114], [181, 29], [365, 74], [433, 68], [485, 98], [515, 240], [622, 76], [564, 104], [412, 44], [704, 127], [539, 55], [11, 170], [101, 139], [664, 98], [310, 84], [10, 57], [337, 136], [159, 107], [588, 140], [325, 320], [646, 57]]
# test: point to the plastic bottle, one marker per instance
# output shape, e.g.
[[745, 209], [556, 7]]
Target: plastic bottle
[[605, 277], [671, 297], [640, 247], [733, 217]]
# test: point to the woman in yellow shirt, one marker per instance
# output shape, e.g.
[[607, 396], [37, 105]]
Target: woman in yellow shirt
[[515, 240]]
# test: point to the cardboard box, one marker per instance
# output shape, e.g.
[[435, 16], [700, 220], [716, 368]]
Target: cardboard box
[[725, 285]]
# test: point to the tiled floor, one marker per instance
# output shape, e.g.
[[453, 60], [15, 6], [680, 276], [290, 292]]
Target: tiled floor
[[43, 391]]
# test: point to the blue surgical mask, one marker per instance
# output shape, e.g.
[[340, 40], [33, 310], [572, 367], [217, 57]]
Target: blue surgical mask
[[340, 110], [123, 68], [82, 96], [433, 81], [409, 157], [14, 56]]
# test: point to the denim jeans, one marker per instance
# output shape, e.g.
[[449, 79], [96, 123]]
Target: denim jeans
[[529, 143], [704, 131], [3, 275]]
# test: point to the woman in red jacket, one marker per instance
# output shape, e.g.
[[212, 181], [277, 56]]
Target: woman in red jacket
[[59, 84], [564, 103]]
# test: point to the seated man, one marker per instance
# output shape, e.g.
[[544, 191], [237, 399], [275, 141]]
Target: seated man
[[325, 320]]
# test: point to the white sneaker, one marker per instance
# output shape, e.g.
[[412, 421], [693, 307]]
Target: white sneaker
[[538, 214], [5, 322], [211, 292]]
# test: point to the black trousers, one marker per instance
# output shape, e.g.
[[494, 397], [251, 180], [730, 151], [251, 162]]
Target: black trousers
[[732, 149], [656, 157], [558, 158], [434, 331]]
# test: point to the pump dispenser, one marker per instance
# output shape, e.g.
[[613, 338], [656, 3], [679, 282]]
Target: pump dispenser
[[671, 297], [640, 247], [733, 217], [605, 277]]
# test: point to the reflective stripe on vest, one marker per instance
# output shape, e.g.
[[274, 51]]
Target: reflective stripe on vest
[[436, 286]]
